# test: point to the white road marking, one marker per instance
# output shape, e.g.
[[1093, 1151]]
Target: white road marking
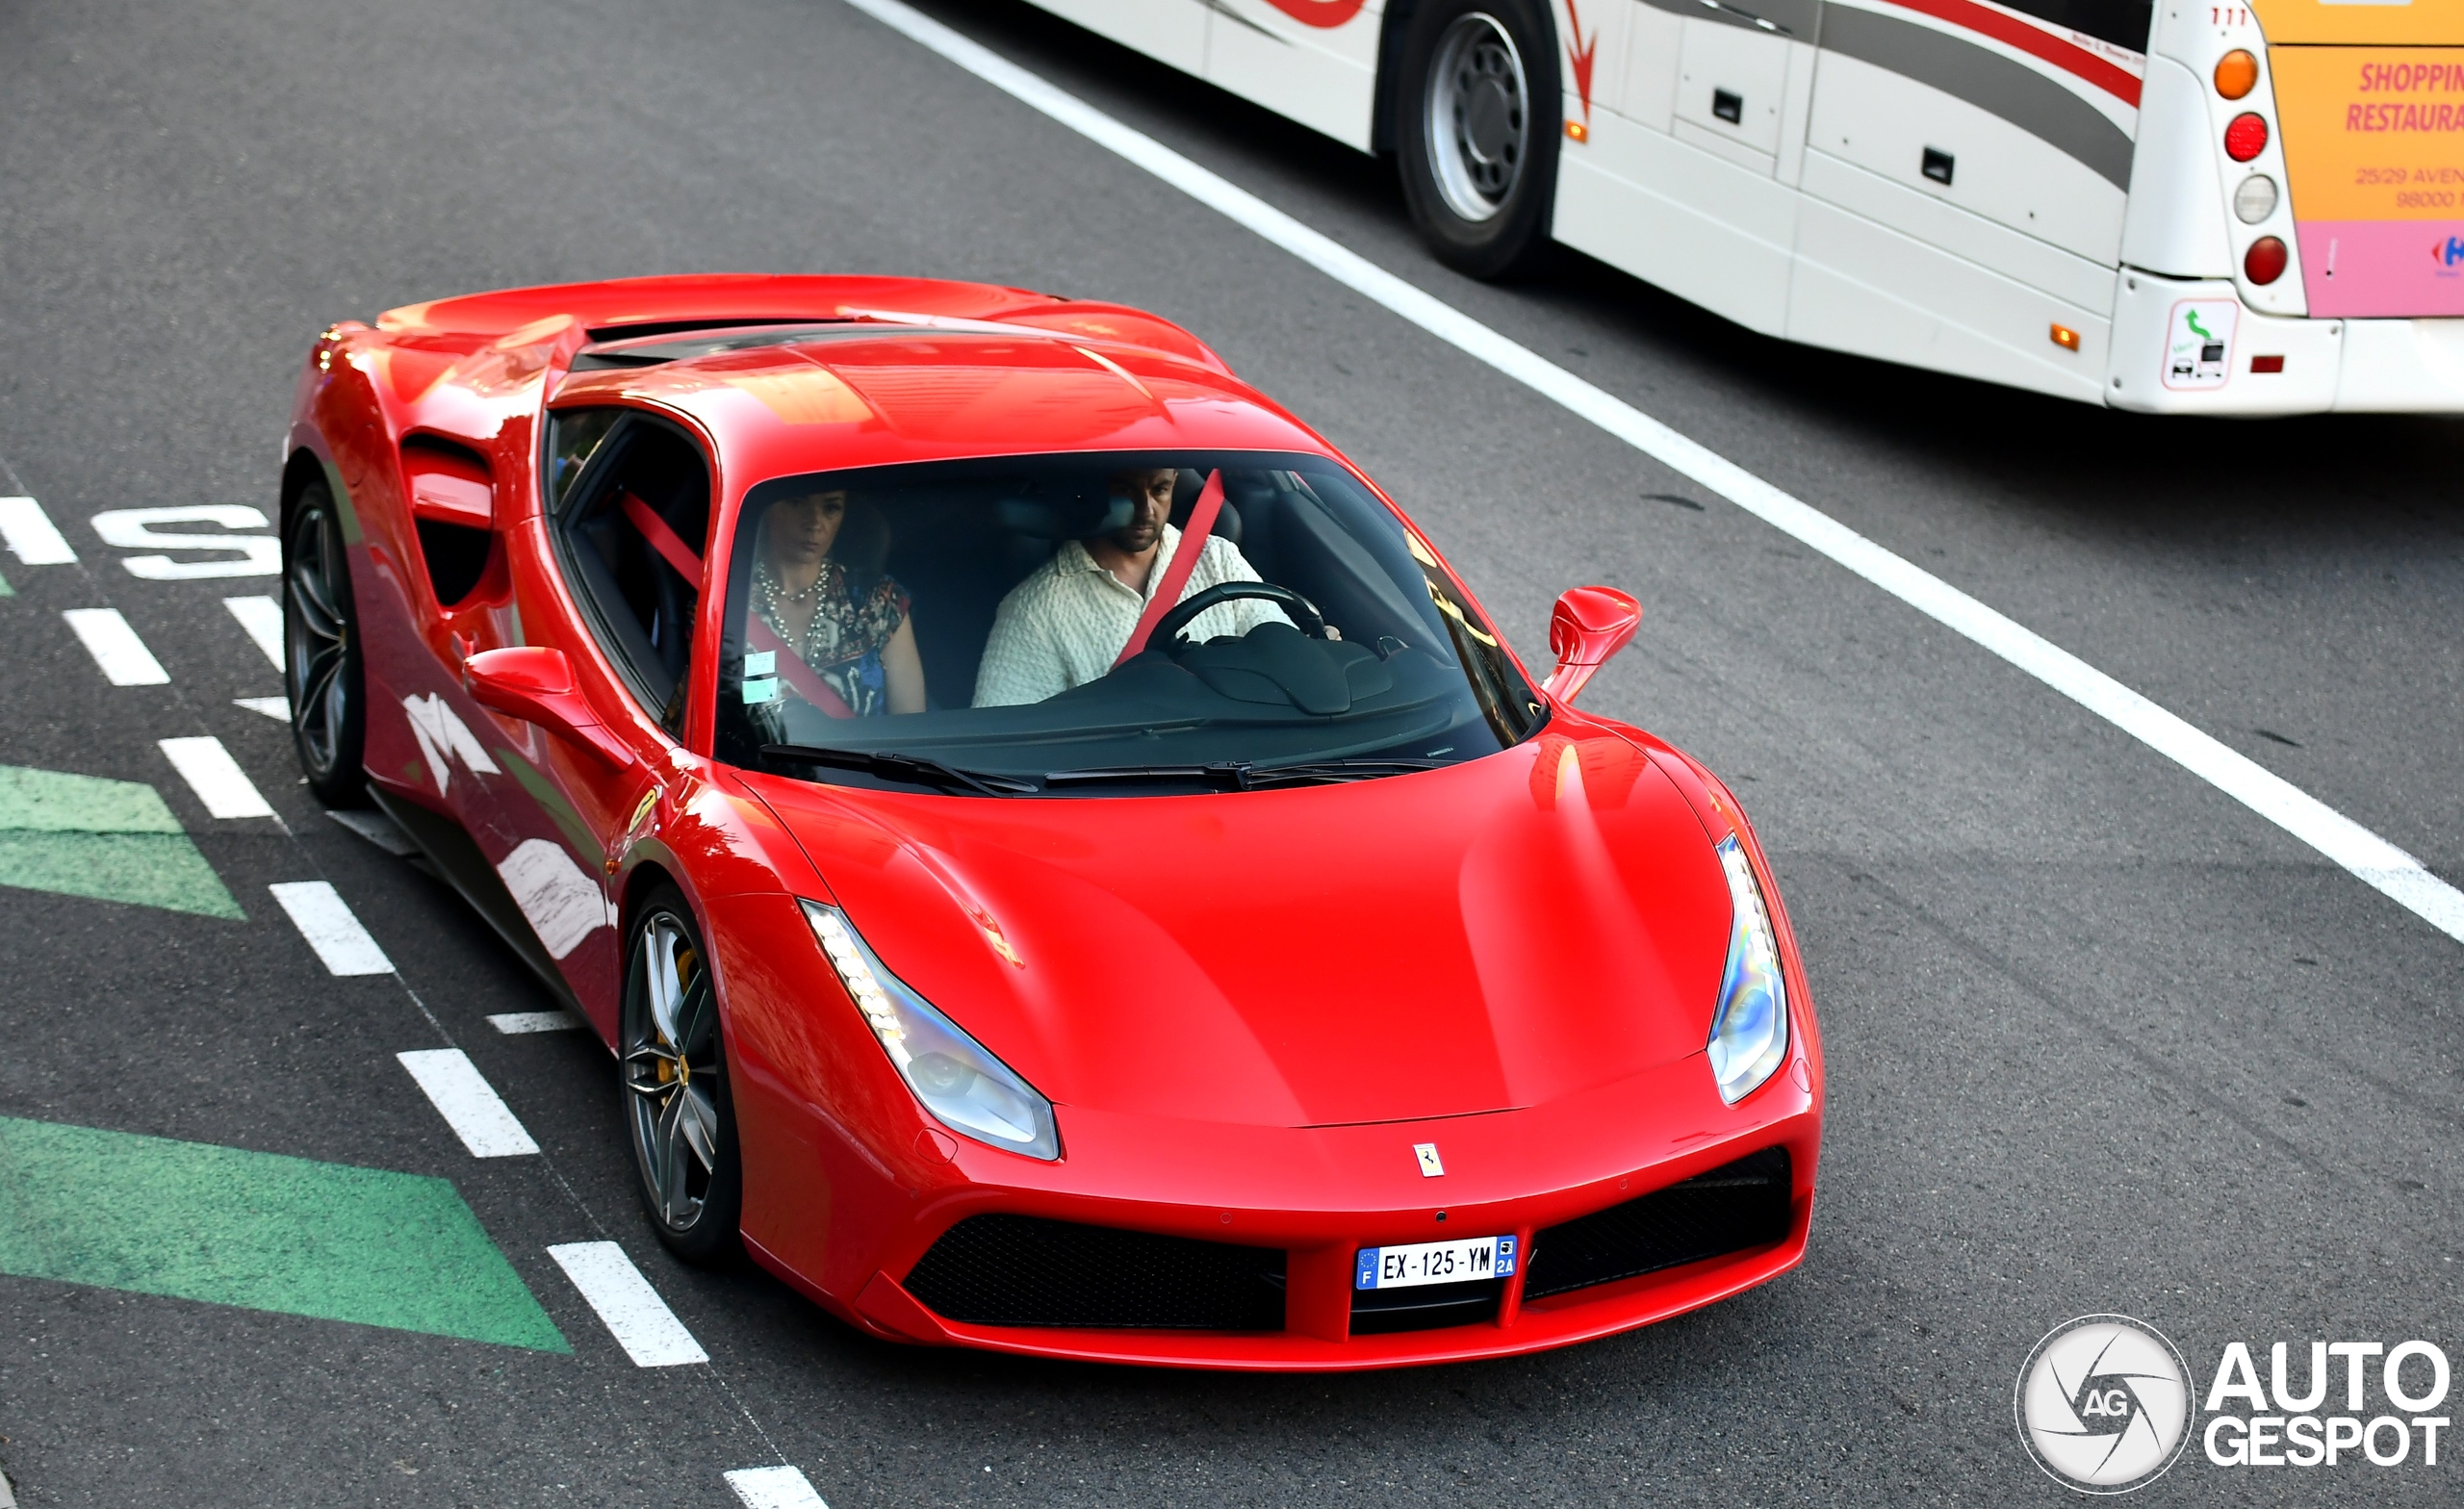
[[31, 535], [512, 1022], [469, 1104], [133, 530], [125, 659], [774, 1488], [216, 776], [318, 910], [274, 708], [262, 617], [629, 1307], [2368, 856]]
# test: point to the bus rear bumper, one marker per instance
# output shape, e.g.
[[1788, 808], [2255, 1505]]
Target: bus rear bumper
[[2271, 365]]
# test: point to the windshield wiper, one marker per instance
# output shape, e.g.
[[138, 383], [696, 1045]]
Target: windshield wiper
[[1332, 770], [891, 765], [1238, 775]]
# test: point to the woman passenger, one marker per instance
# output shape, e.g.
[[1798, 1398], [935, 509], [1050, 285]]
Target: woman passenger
[[847, 622]]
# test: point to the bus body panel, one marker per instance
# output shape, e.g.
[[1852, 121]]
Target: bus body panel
[[2081, 282], [1313, 61], [1733, 70], [1653, 41], [2176, 222], [1708, 229], [1866, 289], [1888, 123]]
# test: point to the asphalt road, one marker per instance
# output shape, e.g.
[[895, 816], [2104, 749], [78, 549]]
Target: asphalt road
[[2100, 1039]]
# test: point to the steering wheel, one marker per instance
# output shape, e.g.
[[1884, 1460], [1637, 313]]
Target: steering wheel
[[1302, 612]]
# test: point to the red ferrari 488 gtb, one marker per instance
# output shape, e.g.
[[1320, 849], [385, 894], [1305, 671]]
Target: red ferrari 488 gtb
[[1061, 861]]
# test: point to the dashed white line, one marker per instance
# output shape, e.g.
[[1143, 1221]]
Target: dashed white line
[[629, 1307], [31, 535], [123, 657], [469, 1104], [262, 617], [215, 778], [2364, 854], [513, 1022], [318, 910], [774, 1488], [278, 709]]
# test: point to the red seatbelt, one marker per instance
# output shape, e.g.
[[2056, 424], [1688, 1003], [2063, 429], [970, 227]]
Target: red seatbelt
[[1167, 591], [673, 550]]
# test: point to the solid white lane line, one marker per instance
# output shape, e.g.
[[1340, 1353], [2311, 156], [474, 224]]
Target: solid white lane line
[[125, 659], [262, 617], [30, 534], [2370, 857], [215, 778], [629, 1307], [318, 910], [513, 1022], [276, 707], [469, 1104], [774, 1488]]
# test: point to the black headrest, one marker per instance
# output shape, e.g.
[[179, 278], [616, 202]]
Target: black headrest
[[1065, 511], [862, 544]]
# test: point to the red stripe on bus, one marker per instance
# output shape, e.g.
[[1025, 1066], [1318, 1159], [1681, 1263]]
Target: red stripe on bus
[[2068, 57], [1326, 14]]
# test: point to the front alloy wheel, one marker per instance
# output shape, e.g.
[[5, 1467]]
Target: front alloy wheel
[[321, 670], [675, 1071]]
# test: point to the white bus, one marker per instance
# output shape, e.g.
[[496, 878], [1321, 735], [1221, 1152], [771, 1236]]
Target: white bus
[[2177, 208]]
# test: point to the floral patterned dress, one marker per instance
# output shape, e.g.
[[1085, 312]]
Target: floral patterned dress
[[844, 645]]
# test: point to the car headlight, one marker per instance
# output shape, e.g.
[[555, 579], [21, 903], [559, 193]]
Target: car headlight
[[1750, 1029], [965, 1088]]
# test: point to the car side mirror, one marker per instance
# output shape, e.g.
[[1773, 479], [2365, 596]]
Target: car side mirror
[[1590, 625], [536, 685]]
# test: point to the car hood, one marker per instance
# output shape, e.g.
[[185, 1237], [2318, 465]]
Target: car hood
[[1482, 938]]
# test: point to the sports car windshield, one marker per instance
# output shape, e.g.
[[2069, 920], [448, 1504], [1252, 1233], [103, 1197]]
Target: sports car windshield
[[1100, 625]]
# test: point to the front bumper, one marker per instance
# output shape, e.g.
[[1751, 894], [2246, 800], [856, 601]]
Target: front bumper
[[1320, 1194]]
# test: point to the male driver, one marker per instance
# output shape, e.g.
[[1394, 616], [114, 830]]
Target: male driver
[[1066, 625]]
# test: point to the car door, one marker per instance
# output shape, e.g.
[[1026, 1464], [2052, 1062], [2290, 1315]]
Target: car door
[[615, 588]]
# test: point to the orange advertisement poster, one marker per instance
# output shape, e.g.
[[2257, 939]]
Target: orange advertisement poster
[[2374, 143], [2418, 23]]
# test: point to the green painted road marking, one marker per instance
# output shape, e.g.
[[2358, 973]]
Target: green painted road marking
[[115, 840], [7, 591], [258, 1231]]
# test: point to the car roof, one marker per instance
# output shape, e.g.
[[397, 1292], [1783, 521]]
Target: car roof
[[791, 374], [866, 397]]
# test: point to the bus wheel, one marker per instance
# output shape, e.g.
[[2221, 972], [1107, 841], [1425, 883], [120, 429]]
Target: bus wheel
[[1478, 136]]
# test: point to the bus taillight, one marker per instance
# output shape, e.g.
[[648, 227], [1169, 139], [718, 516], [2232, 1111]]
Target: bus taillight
[[2237, 73], [2263, 263], [2247, 137]]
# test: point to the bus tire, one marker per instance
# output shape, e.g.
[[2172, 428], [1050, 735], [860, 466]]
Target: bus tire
[[1477, 131]]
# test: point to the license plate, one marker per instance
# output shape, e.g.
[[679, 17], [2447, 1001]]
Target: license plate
[[1434, 1262]]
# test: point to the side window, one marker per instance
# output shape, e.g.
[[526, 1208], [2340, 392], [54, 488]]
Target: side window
[[631, 500]]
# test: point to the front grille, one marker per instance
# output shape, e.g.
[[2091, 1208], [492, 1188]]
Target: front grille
[[1026, 1270], [1736, 1206], [1382, 1312]]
